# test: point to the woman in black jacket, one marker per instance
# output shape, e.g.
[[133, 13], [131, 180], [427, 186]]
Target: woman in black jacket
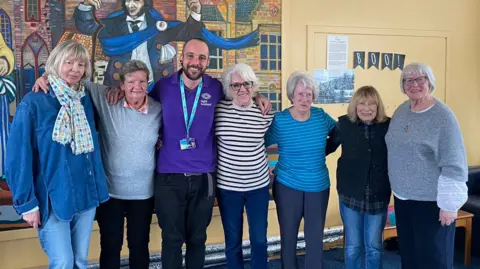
[[362, 177]]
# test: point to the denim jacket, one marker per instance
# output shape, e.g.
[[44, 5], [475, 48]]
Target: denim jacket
[[41, 171]]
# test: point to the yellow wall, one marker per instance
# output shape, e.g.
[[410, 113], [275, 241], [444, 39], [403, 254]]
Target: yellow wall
[[457, 18]]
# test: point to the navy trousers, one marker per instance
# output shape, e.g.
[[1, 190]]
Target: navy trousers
[[423, 242], [292, 206]]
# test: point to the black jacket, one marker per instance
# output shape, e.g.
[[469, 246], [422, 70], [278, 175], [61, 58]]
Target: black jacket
[[363, 160]]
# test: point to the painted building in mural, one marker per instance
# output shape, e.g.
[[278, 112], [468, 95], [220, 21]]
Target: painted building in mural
[[25, 28], [31, 28], [233, 18]]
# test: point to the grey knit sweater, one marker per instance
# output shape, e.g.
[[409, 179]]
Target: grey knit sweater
[[426, 156], [127, 140]]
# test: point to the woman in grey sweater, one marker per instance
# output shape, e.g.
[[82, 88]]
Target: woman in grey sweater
[[427, 167], [128, 136]]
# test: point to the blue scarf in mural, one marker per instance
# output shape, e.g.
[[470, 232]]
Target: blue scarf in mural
[[7, 88], [7, 95], [114, 46]]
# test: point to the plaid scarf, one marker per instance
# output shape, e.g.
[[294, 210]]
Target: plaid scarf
[[71, 125]]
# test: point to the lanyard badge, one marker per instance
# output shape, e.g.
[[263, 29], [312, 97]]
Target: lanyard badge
[[189, 142]]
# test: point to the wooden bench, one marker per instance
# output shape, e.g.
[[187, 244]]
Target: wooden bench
[[464, 219]]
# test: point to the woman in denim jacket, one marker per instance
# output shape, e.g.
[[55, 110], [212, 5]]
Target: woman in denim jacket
[[54, 168]]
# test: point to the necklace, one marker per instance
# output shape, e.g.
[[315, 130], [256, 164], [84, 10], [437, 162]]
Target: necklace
[[412, 112], [405, 129], [300, 117]]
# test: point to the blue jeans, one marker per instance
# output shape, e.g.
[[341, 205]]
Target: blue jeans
[[66, 242], [363, 232], [231, 204]]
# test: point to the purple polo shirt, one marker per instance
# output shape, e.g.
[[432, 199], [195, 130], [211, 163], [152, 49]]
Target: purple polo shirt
[[203, 158]]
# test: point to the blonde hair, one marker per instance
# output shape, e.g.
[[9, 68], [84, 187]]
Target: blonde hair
[[366, 93], [61, 52]]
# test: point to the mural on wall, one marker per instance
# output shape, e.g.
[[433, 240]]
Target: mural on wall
[[115, 31]]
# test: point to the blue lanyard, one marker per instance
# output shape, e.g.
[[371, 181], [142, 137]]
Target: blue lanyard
[[188, 123]]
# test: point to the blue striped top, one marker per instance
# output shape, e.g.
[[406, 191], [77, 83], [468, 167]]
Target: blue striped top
[[301, 147]]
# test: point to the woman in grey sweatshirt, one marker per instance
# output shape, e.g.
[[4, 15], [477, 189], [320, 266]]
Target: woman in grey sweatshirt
[[427, 167]]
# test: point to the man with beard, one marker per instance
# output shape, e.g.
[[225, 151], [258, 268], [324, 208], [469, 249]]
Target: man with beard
[[185, 181], [184, 184]]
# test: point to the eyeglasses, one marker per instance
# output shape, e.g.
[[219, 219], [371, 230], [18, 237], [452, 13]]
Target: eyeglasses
[[237, 85], [419, 80]]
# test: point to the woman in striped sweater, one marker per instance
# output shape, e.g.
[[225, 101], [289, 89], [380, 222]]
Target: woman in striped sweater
[[301, 188], [242, 169]]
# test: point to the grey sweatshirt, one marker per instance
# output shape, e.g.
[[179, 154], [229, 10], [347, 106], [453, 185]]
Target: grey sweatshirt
[[127, 141], [426, 156]]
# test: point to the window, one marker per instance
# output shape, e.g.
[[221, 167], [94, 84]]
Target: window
[[5, 28], [32, 10], [216, 56], [271, 52], [275, 98], [34, 56]]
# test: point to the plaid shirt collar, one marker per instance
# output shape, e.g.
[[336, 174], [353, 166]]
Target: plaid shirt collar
[[143, 109]]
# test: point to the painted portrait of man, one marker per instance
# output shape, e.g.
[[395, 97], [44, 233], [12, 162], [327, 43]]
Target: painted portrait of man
[[138, 31]]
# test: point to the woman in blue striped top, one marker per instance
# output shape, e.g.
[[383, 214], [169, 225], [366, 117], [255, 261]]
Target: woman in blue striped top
[[302, 185]]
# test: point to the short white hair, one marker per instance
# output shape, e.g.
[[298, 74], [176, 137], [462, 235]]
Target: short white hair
[[61, 52], [245, 71], [418, 68], [307, 81]]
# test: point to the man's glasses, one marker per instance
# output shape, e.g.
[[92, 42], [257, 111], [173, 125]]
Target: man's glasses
[[237, 85], [419, 80]]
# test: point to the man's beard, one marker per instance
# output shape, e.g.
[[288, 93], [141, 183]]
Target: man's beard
[[194, 76]]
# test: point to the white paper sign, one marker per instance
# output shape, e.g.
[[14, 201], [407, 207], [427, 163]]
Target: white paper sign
[[337, 52]]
